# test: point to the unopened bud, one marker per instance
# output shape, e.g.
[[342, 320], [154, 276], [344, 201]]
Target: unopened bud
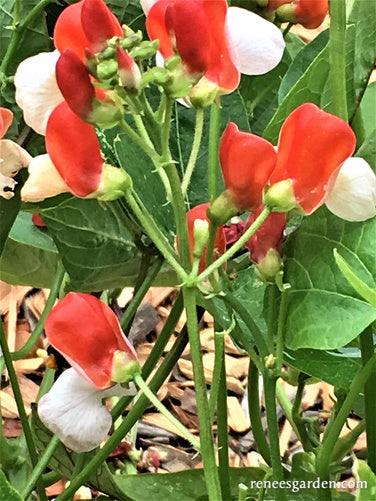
[[285, 13], [200, 236], [107, 69], [145, 50], [129, 72]]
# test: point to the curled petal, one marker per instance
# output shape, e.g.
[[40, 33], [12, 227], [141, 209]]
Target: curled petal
[[74, 150], [247, 161], [44, 181], [12, 158], [75, 84], [6, 117], [37, 92], [9, 183], [68, 31], [99, 24], [353, 196], [88, 334], [312, 146], [259, 44], [73, 410]]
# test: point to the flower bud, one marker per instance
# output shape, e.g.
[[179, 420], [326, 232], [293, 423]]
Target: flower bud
[[200, 236], [129, 72], [107, 69]]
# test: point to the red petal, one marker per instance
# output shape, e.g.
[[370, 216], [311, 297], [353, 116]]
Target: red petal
[[99, 24], [68, 31], [247, 162], [6, 117], [312, 146], [74, 82], [311, 14], [74, 150], [156, 27], [87, 333]]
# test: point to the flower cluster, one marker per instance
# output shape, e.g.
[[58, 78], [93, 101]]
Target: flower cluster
[[87, 333], [311, 165]]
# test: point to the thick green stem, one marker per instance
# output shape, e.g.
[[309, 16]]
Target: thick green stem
[[254, 409], [337, 56], [20, 407], [206, 435], [133, 416], [224, 465], [219, 356], [237, 245], [213, 163], [18, 32], [281, 332], [40, 467], [273, 430], [331, 435], [368, 349], [163, 410], [130, 312], [25, 350], [194, 151]]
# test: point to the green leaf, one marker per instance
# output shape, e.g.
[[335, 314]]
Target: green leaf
[[367, 108], [30, 256], [364, 474], [336, 367], [97, 250], [7, 492], [301, 62], [368, 150], [324, 311], [15, 460]]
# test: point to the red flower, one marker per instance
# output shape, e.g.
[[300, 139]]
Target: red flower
[[310, 14], [197, 31], [199, 212], [312, 146], [247, 162], [88, 334], [86, 24], [6, 117]]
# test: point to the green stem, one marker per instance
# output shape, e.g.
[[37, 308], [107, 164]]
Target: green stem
[[150, 151], [345, 444], [132, 416], [324, 455], [20, 407], [337, 56], [163, 410], [224, 465], [219, 356], [213, 163], [367, 348], [286, 405], [272, 299], [16, 14], [25, 350], [250, 324], [40, 467], [206, 435], [130, 312], [18, 32], [281, 332], [237, 245], [296, 414], [194, 151], [273, 429], [254, 409], [155, 234]]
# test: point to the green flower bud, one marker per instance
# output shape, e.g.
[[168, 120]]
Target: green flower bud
[[108, 53], [200, 236], [107, 69]]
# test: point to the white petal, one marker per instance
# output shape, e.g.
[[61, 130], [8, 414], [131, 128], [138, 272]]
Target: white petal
[[73, 410], [44, 181], [353, 196], [147, 5], [259, 44], [6, 182], [12, 157], [37, 92]]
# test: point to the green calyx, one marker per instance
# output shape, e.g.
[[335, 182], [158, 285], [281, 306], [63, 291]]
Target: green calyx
[[222, 209], [115, 182], [124, 367], [280, 197]]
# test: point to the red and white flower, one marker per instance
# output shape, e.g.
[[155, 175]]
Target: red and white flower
[[88, 334]]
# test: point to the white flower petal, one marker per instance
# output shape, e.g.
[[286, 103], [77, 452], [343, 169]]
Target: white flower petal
[[37, 92], [353, 196], [6, 182], [259, 44], [44, 181], [73, 410], [146, 5], [12, 158]]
